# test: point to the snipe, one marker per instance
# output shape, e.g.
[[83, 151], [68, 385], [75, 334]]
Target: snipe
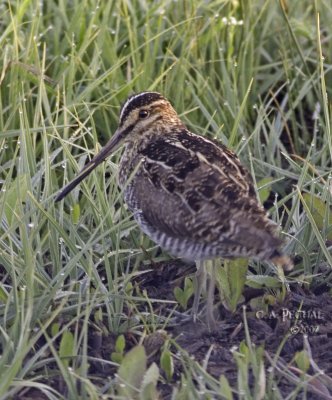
[[189, 194]]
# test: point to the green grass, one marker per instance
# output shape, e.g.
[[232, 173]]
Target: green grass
[[254, 74]]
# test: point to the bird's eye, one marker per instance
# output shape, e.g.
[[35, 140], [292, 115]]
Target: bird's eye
[[143, 113]]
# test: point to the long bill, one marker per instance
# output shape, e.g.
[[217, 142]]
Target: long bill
[[110, 147]]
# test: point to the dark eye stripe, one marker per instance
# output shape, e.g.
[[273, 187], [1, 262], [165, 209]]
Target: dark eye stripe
[[126, 131]]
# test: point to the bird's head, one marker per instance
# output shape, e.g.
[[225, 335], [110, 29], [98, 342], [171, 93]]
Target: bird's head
[[141, 115]]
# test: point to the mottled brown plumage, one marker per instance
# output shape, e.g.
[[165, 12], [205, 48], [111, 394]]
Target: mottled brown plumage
[[191, 195]]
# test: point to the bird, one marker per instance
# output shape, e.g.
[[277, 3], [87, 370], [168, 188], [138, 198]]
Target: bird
[[191, 195]]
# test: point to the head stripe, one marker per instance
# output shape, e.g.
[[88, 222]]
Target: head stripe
[[137, 101]]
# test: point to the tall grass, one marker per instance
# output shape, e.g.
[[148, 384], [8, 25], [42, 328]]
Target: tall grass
[[255, 74]]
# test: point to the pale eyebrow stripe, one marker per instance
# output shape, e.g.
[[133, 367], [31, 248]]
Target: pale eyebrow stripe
[[130, 100], [133, 98]]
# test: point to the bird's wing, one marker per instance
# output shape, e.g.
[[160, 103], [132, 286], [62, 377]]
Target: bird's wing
[[198, 190]]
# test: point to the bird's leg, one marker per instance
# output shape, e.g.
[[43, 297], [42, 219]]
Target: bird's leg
[[211, 322], [199, 283], [205, 276]]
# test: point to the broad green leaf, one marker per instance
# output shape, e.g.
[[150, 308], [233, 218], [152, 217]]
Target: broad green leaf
[[231, 278], [117, 357], [98, 315], [55, 327], [319, 211], [67, 345], [262, 303], [129, 289], [225, 389], [258, 281], [149, 384], [120, 344], [131, 373], [243, 349], [179, 296], [264, 188], [302, 360], [182, 296], [166, 363]]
